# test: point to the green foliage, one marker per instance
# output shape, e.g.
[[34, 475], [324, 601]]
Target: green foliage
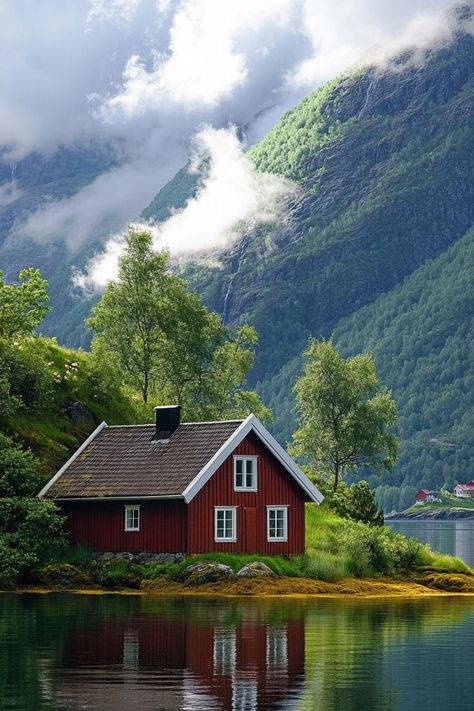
[[356, 502], [23, 306], [19, 470], [343, 415], [30, 532], [165, 342], [119, 573], [352, 548]]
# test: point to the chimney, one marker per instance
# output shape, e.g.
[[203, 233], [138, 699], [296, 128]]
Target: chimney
[[168, 418]]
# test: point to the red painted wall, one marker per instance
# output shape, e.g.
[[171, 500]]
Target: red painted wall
[[275, 486], [99, 525]]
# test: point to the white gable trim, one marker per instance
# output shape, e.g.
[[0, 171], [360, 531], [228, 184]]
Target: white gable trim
[[251, 423], [70, 461]]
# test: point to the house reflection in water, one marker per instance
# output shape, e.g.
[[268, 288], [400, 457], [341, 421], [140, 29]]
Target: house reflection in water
[[168, 662]]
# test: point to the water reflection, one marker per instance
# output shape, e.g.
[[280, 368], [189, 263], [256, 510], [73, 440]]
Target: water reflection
[[452, 537], [90, 652]]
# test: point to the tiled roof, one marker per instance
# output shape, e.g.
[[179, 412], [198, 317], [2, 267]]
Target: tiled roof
[[126, 461]]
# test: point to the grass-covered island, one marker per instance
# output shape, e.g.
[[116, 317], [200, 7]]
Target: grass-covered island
[[450, 507], [343, 557]]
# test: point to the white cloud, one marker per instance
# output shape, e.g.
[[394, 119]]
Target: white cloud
[[232, 198], [145, 75], [210, 45]]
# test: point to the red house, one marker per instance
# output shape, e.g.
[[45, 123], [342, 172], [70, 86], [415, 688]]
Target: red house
[[426, 496], [184, 488]]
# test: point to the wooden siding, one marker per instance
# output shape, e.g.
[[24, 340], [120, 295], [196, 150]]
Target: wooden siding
[[275, 487], [99, 525]]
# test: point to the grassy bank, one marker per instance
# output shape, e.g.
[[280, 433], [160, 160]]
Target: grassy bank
[[342, 557]]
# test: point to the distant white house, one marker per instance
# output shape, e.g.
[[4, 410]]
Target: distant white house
[[464, 491]]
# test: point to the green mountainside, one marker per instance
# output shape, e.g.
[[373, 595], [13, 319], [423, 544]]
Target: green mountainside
[[384, 161]]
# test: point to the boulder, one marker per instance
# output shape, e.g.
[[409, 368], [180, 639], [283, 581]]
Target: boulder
[[201, 573], [255, 570], [63, 575], [78, 413], [158, 558]]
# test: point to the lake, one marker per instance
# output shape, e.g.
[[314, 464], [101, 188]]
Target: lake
[[68, 652], [453, 537]]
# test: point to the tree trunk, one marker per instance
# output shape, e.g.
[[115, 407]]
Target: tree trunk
[[145, 388], [336, 477]]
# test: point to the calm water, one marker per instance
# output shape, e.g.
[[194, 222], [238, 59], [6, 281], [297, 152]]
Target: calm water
[[453, 537], [63, 651]]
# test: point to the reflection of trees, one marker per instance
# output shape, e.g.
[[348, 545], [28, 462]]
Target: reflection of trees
[[347, 642]]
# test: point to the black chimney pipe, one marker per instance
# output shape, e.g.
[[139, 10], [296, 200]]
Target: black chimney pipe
[[168, 418]]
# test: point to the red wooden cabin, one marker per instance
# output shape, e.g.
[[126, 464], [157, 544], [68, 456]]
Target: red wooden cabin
[[184, 488]]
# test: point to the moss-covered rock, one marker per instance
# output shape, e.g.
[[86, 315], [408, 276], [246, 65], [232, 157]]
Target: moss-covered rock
[[63, 575]]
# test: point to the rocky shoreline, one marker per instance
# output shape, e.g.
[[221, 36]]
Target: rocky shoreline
[[438, 515]]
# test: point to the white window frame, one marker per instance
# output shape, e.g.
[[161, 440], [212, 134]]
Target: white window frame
[[245, 458], [279, 539], [229, 539], [129, 507]]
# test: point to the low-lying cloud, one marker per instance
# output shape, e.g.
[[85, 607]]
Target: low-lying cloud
[[146, 75], [232, 197]]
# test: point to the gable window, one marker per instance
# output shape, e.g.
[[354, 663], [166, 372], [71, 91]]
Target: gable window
[[132, 518], [225, 524], [245, 473], [277, 523]]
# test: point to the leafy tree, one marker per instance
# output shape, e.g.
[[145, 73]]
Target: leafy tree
[[19, 475], [164, 340], [24, 305], [358, 503], [343, 414]]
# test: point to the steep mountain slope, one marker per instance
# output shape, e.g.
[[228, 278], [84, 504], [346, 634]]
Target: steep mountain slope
[[384, 160], [386, 170], [421, 336]]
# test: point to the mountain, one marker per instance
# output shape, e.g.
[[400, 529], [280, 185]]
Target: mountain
[[384, 163]]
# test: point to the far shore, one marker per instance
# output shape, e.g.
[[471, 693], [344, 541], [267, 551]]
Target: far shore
[[426, 585]]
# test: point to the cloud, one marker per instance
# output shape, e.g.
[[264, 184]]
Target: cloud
[[146, 75], [232, 198]]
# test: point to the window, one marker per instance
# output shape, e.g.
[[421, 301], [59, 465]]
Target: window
[[277, 523], [225, 651], [225, 529], [277, 647], [132, 518], [245, 473]]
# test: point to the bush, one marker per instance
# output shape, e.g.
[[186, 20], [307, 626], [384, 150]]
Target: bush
[[119, 573], [31, 531], [19, 475], [356, 502]]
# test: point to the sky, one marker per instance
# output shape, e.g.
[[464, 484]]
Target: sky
[[166, 81]]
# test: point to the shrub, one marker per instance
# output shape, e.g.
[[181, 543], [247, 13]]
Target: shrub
[[19, 475], [30, 533], [356, 502], [119, 573]]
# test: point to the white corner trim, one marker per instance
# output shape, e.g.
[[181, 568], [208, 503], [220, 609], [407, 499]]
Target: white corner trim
[[251, 423], [71, 459]]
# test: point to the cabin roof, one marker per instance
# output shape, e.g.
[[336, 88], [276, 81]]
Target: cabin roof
[[126, 462]]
